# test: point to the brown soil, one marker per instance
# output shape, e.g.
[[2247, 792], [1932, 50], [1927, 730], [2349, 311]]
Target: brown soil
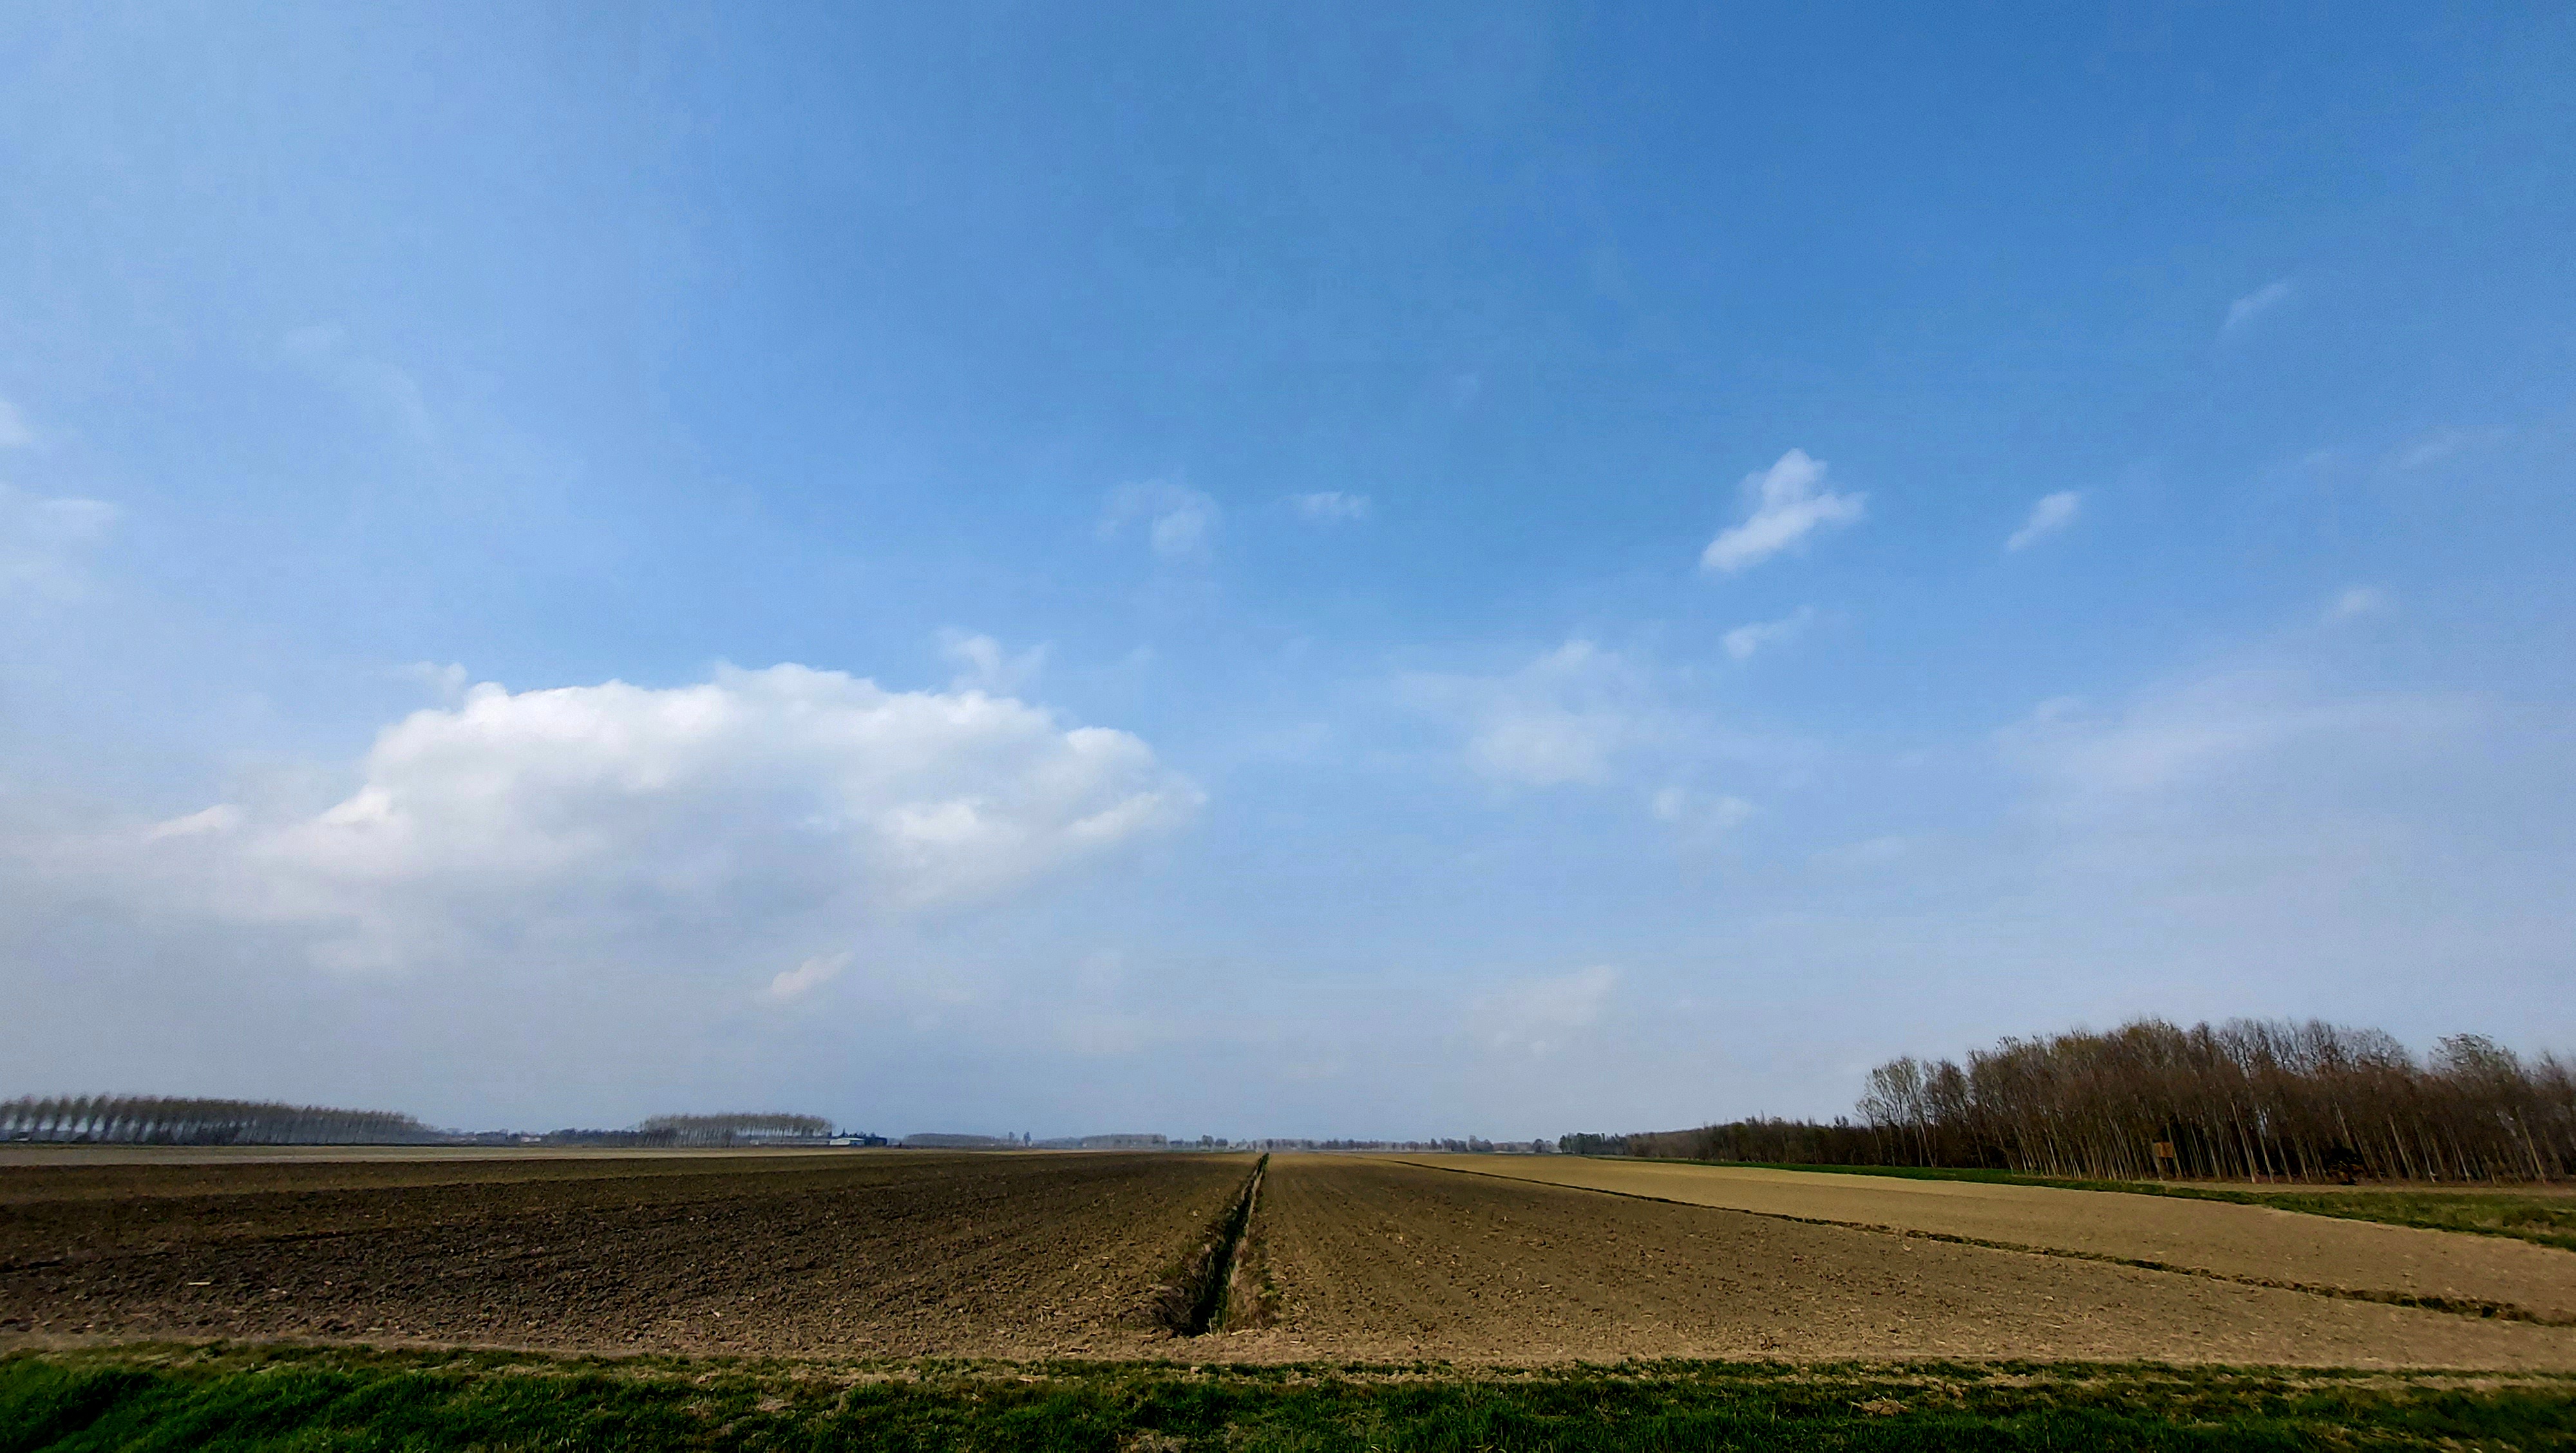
[[1024, 1255], [867, 1255], [124, 1172], [1379, 1259], [2255, 1243]]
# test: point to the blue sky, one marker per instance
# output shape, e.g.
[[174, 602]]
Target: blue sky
[[1501, 570]]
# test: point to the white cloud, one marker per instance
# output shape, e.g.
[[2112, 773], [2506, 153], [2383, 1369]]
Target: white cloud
[[14, 433], [2271, 836], [2253, 305], [2205, 734], [1538, 1016], [1180, 523], [445, 681], [1785, 504], [1560, 719], [2355, 602], [983, 665], [1867, 853], [374, 385], [1098, 1033], [2051, 514], [1698, 815], [1331, 507], [222, 817], [2445, 444], [1744, 641], [794, 984], [757, 799], [1581, 714], [42, 541]]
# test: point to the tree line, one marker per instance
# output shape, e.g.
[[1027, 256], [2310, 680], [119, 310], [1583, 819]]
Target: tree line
[[2248, 1100], [172, 1120], [730, 1129], [180, 1120]]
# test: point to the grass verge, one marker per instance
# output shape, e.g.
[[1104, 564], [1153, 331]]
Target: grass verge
[[331, 1399], [2547, 1220]]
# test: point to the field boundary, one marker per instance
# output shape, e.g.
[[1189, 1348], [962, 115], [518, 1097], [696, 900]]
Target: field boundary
[[2365, 1203], [1250, 1298], [2455, 1306], [1197, 1302]]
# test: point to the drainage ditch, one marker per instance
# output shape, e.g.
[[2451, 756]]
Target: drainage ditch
[[1205, 1297]]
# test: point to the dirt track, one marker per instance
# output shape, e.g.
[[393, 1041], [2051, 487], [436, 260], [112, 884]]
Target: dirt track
[[2250, 1242], [1383, 1259], [895, 1255]]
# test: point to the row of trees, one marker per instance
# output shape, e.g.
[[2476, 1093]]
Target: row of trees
[[730, 1129], [2249, 1099], [1768, 1142], [167, 1120]]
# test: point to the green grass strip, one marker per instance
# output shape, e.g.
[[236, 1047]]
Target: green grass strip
[[326, 1399]]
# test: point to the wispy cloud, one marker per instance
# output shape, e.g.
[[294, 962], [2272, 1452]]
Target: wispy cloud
[[2357, 602], [42, 542], [1536, 1016], [2051, 514], [1702, 816], [794, 984], [1866, 853], [1787, 503], [983, 665], [1331, 507], [2201, 734], [14, 433], [371, 383], [1563, 718], [1745, 640], [445, 681], [2253, 305], [1180, 523], [2444, 444], [222, 817]]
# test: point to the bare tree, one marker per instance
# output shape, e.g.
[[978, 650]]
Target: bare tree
[[159, 1120], [2250, 1099]]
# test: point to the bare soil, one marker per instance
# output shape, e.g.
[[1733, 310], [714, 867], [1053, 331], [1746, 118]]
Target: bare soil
[[2255, 1243], [1381, 1259], [904, 1254], [59, 1173], [893, 1255]]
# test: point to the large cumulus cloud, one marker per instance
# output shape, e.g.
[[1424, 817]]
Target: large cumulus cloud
[[588, 813]]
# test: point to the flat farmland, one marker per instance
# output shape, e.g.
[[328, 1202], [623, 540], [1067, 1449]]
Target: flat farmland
[[1388, 1259], [896, 1254], [1474, 1260], [2249, 1243]]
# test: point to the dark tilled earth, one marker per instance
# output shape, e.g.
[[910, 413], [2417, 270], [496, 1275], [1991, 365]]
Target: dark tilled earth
[[899, 1254], [907, 1253]]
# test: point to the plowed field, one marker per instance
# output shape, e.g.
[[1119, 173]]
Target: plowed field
[[901, 1254], [898, 1254], [1387, 1259], [2252, 1243]]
